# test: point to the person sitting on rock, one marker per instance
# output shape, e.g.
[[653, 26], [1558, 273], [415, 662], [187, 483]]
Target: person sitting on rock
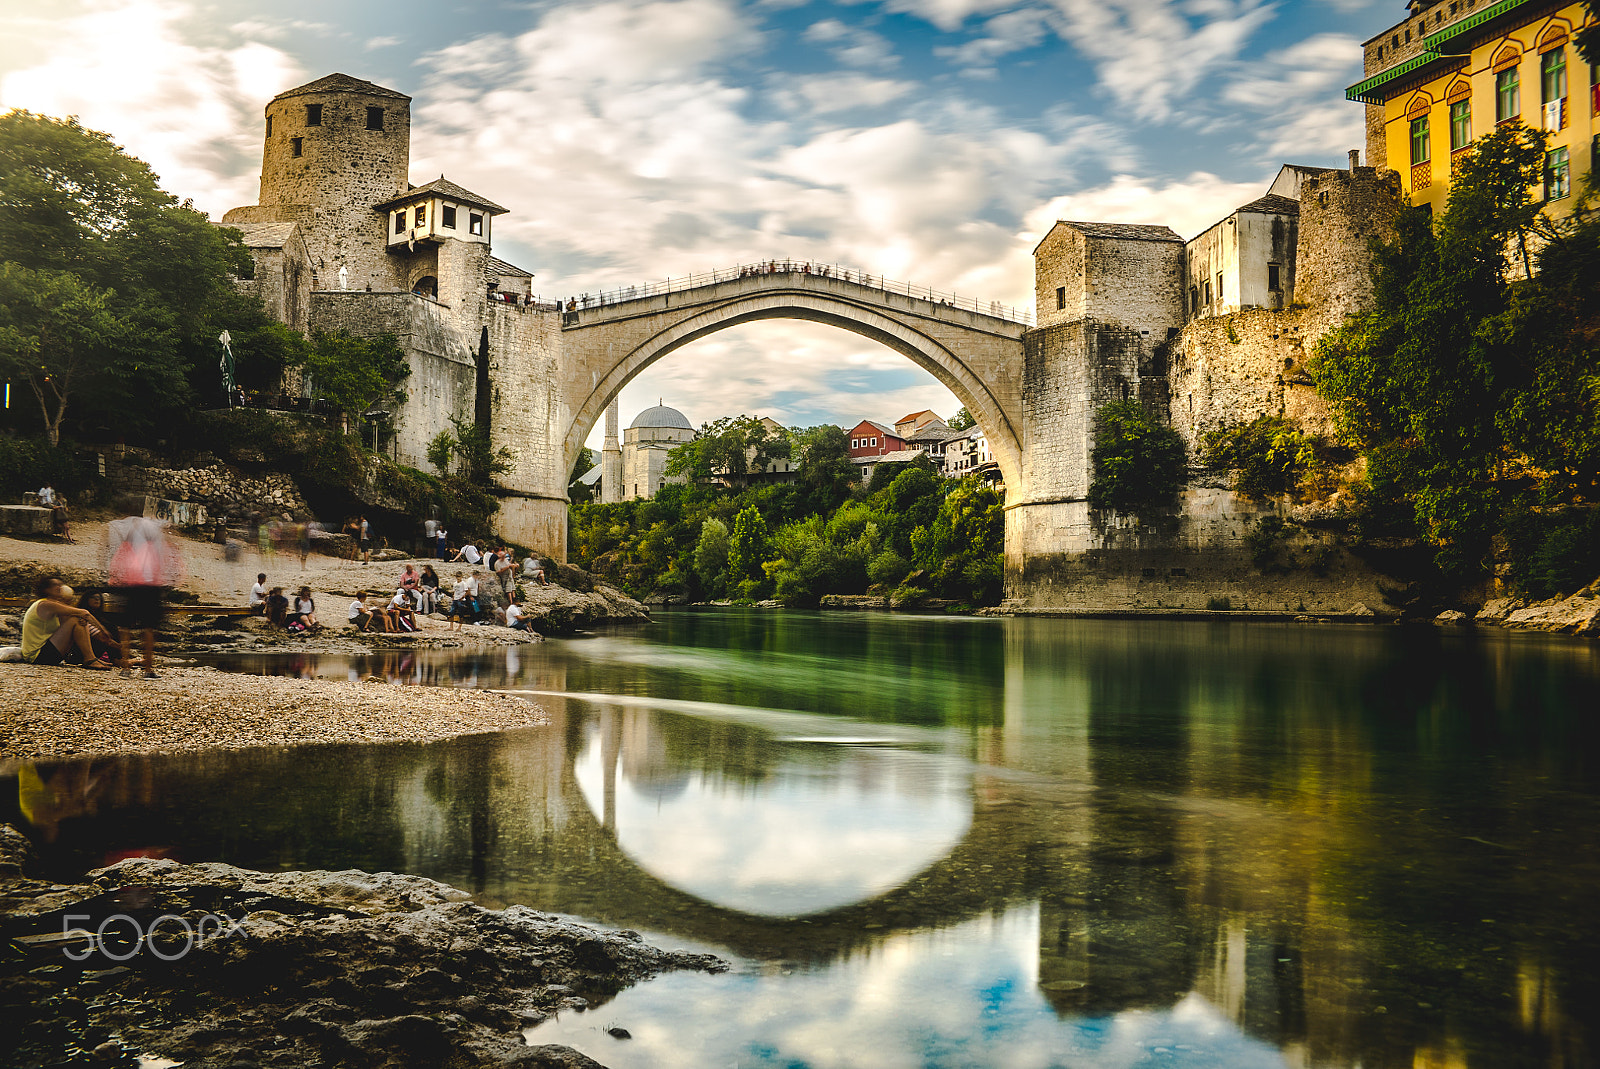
[[57, 632], [428, 590], [533, 571], [305, 609], [258, 595], [514, 616], [363, 620], [401, 615], [277, 608]]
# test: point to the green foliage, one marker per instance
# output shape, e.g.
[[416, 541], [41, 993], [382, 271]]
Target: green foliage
[[732, 447], [89, 236], [963, 551], [27, 463], [1554, 554], [962, 420], [1139, 463], [747, 547], [585, 463], [1215, 604], [825, 471], [1268, 455], [711, 556], [681, 540], [883, 475], [441, 451], [1471, 383], [355, 374]]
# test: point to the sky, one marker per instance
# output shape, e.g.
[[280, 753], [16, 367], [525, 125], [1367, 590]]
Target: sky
[[931, 141]]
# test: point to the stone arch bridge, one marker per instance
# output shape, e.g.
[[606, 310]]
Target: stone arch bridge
[[1032, 391]]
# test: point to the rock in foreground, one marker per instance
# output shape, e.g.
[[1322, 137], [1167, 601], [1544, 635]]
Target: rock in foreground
[[320, 968]]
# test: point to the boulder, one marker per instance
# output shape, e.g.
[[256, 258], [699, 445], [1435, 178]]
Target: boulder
[[319, 968], [1452, 616]]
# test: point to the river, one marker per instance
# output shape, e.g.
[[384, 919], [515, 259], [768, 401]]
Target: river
[[932, 841]]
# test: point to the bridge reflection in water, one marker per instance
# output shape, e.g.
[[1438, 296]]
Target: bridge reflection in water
[[1159, 840]]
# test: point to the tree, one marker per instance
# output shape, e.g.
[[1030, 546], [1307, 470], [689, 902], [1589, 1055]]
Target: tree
[[55, 333], [711, 554], [733, 446], [577, 491], [1138, 463], [1429, 380], [1268, 455], [962, 420], [825, 469], [77, 211], [747, 548], [354, 374], [963, 551]]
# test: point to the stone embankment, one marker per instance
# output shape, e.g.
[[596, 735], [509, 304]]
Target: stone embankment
[[316, 968], [223, 492], [1577, 615]]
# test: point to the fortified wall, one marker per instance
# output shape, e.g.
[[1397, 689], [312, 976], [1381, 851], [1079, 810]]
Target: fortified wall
[[1184, 343]]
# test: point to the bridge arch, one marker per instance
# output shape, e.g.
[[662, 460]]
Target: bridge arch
[[622, 342]]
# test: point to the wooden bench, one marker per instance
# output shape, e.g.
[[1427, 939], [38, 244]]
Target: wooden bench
[[178, 610]]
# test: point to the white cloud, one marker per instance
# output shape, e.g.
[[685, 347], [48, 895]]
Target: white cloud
[[1300, 87], [382, 42], [1188, 206], [193, 112], [822, 94], [853, 46], [1010, 32]]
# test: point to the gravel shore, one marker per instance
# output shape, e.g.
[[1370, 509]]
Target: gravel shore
[[57, 713]]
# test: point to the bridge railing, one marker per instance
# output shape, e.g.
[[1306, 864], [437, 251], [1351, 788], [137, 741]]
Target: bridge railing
[[606, 298]]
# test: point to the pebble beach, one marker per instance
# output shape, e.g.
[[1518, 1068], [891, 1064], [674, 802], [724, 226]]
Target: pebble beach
[[65, 712]]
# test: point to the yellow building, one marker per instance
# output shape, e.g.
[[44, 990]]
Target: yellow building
[[1456, 69]]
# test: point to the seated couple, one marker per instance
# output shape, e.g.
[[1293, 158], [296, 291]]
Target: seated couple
[[302, 616], [61, 628], [396, 616]]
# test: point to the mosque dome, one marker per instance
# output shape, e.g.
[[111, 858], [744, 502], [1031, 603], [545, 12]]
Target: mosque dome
[[661, 418]]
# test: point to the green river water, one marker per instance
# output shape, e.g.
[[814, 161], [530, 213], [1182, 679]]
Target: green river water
[[998, 842]]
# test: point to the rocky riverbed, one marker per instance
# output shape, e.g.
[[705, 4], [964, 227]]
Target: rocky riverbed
[[297, 969]]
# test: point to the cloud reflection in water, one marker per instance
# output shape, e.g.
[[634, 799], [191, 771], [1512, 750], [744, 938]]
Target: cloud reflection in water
[[961, 996], [820, 830]]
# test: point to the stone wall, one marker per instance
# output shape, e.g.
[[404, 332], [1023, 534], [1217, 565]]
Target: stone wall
[[343, 170], [1231, 369], [1341, 213], [223, 491], [1189, 557], [527, 418], [1132, 282], [443, 377]]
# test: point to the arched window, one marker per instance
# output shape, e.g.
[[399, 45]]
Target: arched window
[[1460, 100], [1507, 85], [426, 286]]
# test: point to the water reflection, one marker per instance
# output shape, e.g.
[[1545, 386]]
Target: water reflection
[[1078, 844]]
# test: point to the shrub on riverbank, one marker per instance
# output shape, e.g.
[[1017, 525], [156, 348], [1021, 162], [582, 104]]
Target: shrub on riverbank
[[688, 542]]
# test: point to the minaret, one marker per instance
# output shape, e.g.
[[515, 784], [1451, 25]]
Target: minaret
[[611, 460]]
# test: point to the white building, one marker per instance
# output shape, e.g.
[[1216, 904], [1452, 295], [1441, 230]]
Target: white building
[[1246, 260], [967, 453], [653, 434]]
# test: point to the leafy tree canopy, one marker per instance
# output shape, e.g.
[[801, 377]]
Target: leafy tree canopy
[[1471, 383], [1138, 463]]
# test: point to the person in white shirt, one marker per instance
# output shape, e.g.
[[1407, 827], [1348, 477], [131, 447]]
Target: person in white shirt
[[468, 553], [460, 606], [364, 620], [533, 568], [401, 613], [258, 594], [514, 618], [47, 495]]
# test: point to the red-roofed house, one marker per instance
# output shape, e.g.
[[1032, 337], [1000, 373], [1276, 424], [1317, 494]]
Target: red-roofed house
[[870, 439]]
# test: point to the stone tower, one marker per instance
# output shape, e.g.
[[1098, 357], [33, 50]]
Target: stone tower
[[332, 149], [611, 459]]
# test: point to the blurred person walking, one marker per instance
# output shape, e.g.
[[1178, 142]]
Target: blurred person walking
[[142, 565]]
